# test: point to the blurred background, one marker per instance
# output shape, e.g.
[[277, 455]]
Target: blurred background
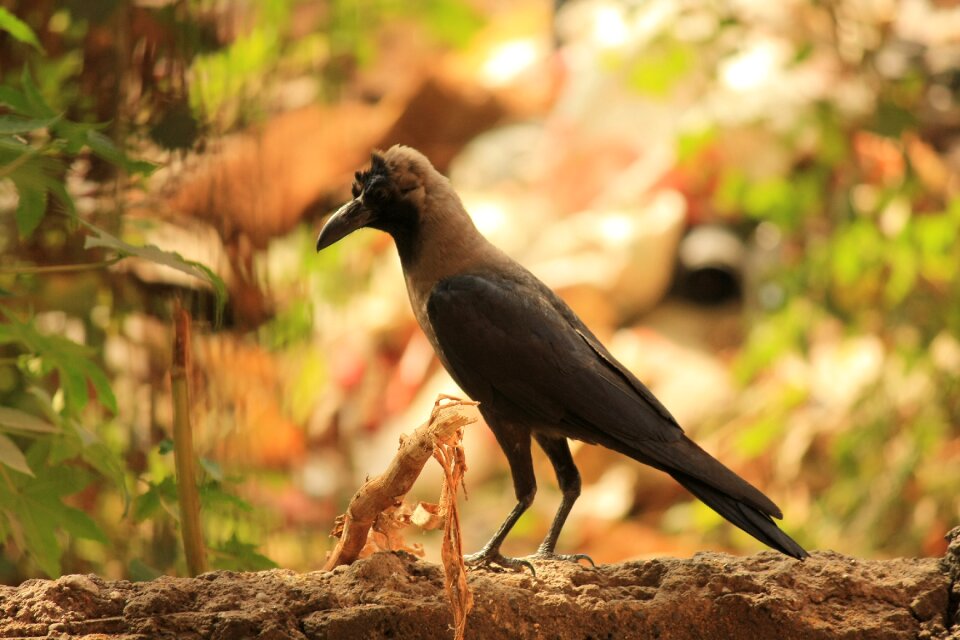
[[755, 205]]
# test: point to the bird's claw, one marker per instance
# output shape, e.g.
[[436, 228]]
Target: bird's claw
[[493, 558], [568, 557]]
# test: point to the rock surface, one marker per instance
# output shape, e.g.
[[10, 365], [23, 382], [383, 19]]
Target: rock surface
[[394, 595]]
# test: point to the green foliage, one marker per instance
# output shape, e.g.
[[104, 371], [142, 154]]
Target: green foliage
[[231, 80], [43, 450], [11, 456], [35, 510], [18, 29], [233, 75], [36, 143], [856, 246], [218, 503], [451, 22], [64, 426], [71, 362], [235, 555], [171, 259], [658, 71]]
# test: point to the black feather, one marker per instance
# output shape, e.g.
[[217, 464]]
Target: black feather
[[377, 173], [512, 344]]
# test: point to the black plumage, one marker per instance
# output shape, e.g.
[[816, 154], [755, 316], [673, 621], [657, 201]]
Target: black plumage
[[538, 372]]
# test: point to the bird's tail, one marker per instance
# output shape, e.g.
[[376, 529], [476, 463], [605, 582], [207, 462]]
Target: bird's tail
[[720, 488], [755, 522]]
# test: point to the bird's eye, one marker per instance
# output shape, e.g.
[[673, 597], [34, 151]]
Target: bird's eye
[[375, 193]]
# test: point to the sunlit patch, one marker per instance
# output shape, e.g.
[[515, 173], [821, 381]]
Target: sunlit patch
[[617, 229], [753, 67], [609, 27], [508, 60], [489, 217]]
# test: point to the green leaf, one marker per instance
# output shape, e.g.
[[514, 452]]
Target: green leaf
[[148, 503], [213, 496], [19, 29], [54, 482], [75, 442], [38, 509], [101, 384], [15, 100], [16, 420], [234, 554], [80, 525], [108, 463], [72, 362], [73, 383], [212, 468], [10, 125], [67, 447], [39, 536], [37, 105], [33, 172], [106, 149], [30, 210], [12, 456], [73, 135], [158, 256]]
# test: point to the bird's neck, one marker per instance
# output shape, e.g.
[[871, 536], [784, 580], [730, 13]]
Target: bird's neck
[[435, 249]]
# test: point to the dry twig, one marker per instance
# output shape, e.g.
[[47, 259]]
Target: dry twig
[[386, 491]]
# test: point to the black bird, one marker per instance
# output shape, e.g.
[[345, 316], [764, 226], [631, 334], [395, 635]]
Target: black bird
[[538, 372]]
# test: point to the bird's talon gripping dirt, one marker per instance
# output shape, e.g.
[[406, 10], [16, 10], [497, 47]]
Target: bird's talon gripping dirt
[[497, 559], [565, 557]]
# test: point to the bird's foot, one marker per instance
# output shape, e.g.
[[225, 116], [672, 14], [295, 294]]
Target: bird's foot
[[493, 558], [567, 557]]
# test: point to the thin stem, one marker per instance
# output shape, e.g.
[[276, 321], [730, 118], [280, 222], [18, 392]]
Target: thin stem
[[59, 268], [190, 529]]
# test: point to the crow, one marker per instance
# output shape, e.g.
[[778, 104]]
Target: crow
[[537, 371]]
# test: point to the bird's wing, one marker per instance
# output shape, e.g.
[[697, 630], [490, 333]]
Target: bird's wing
[[512, 341], [507, 339]]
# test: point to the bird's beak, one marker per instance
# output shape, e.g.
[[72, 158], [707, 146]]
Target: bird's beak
[[346, 220]]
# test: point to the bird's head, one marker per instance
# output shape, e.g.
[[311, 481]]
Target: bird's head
[[388, 196]]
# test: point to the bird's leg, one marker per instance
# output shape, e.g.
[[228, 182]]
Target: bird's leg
[[558, 451], [490, 553], [516, 446]]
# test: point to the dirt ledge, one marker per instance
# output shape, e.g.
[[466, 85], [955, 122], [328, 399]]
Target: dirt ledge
[[394, 595]]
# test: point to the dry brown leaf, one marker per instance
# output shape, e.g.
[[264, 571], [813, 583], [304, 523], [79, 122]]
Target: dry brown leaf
[[426, 515], [387, 531], [448, 451]]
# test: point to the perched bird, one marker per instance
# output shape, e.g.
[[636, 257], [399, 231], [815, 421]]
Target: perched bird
[[538, 372]]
